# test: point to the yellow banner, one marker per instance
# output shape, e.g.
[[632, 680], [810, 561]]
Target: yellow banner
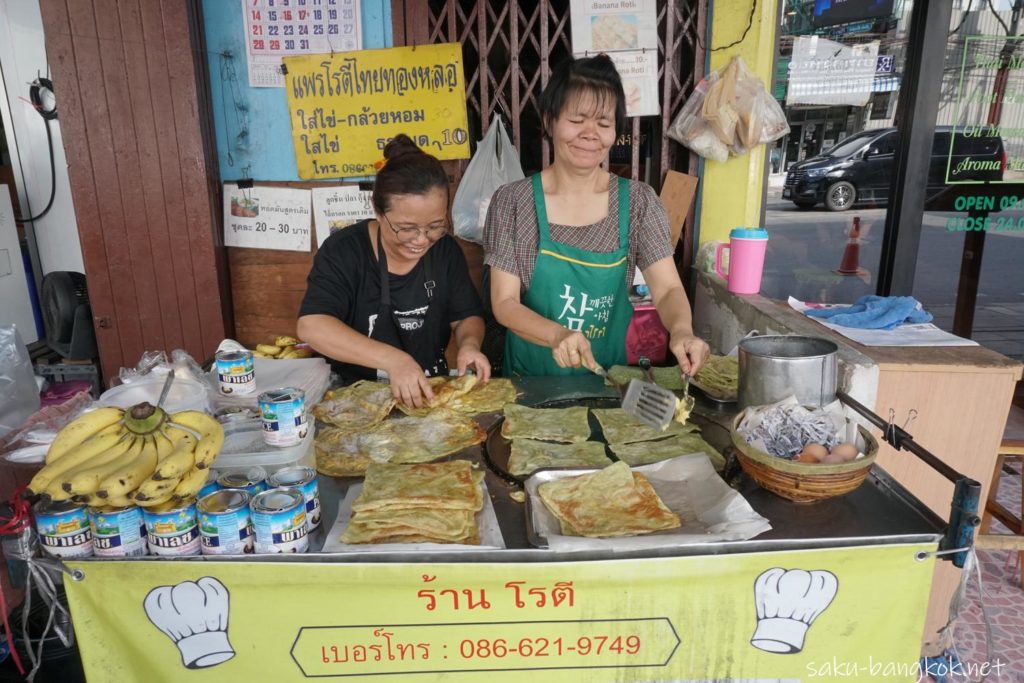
[[345, 107], [852, 614]]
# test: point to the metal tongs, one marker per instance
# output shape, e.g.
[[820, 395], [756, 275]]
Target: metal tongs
[[646, 401]]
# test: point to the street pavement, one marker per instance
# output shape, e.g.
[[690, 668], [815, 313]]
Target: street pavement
[[805, 248]]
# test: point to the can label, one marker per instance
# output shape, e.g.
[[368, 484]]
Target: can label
[[226, 533], [281, 530], [304, 479], [236, 372], [175, 532], [65, 533], [284, 416], [118, 533]]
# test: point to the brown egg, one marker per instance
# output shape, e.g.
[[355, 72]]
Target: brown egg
[[816, 450], [832, 459], [846, 451], [806, 457]]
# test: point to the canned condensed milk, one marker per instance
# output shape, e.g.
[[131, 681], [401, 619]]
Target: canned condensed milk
[[63, 529], [225, 523], [279, 516], [253, 480], [118, 532], [236, 372], [173, 532], [303, 479], [284, 416]]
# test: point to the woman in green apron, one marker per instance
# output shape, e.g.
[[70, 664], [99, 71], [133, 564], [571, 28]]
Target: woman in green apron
[[563, 245]]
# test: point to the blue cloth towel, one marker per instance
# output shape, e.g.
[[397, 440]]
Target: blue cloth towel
[[875, 313]]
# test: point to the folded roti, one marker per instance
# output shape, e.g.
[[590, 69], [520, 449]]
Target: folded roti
[[546, 424], [612, 502], [443, 485], [403, 440], [446, 390], [528, 455], [655, 451], [437, 525], [485, 398], [621, 427], [357, 406]]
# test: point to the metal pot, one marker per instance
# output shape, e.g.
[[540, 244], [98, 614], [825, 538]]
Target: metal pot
[[774, 367]]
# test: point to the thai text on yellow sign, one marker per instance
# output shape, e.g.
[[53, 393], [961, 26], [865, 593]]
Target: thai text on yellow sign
[[852, 614], [345, 107]]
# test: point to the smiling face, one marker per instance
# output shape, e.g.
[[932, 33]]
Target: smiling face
[[584, 131], [423, 217]]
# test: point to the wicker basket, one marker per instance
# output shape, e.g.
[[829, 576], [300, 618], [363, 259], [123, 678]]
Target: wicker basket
[[803, 482]]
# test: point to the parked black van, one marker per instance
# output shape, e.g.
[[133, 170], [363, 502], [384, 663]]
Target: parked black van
[[859, 168]]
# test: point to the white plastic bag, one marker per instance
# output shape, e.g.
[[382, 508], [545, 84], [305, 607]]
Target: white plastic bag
[[19, 393], [495, 163]]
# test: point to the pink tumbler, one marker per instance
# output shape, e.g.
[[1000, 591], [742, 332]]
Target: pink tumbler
[[746, 247]]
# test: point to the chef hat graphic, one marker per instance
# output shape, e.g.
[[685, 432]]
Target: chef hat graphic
[[194, 615], [788, 601]]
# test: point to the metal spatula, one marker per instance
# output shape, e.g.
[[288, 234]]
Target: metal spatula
[[646, 401]]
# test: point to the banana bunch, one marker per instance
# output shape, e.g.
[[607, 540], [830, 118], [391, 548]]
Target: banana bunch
[[283, 347], [140, 456]]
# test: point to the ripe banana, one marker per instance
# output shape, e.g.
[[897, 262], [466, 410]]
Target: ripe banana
[[189, 485], [112, 503], [200, 423], [180, 461], [164, 445], [296, 353], [81, 454], [285, 340], [127, 478], [89, 478], [85, 479], [179, 435], [208, 448], [154, 489], [269, 349], [77, 431]]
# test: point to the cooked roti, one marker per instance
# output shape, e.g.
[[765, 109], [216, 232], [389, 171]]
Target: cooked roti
[[612, 502], [719, 378], [485, 398], [443, 525], [443, 485], [621, 427], [528, 455], [403, 440], [546, 424], [670, 378], [355, 407], [446, 390], [647, 452]]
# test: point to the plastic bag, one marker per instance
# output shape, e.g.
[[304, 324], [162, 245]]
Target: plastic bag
[[691, 130], [19, 393], [495, 163], [156, 364], [729, 113]]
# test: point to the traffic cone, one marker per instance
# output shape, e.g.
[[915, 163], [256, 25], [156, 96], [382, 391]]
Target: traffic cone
[[850, 264]]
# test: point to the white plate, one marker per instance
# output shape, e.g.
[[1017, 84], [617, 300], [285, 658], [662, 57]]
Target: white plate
[[486, 524]]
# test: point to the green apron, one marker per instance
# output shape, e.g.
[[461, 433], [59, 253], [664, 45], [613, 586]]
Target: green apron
[[581, 290]]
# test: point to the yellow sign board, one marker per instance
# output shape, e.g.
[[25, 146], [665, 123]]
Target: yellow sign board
[[345, 107], [830, 615]]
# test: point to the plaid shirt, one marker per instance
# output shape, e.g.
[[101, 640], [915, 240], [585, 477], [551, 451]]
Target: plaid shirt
[[511, 234]]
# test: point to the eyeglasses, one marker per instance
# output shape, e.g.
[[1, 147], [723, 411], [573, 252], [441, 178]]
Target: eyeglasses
[[432, 232]]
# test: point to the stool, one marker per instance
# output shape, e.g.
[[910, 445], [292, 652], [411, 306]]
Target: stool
[[1014, 449]]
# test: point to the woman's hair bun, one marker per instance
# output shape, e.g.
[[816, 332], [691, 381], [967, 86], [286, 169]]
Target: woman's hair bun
[[400, 145]]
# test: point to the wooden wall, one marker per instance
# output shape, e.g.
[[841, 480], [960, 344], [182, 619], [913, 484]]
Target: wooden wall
[[129, 77]]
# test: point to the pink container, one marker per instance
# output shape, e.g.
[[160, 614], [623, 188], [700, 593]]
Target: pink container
[[646, 336], [747, 247]]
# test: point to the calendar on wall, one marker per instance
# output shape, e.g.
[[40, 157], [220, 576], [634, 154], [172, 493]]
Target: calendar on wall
[[279, 28]]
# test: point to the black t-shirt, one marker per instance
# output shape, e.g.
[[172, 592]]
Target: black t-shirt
[[345, 283]]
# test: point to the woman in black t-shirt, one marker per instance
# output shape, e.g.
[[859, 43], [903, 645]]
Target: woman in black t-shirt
[[385, 295]]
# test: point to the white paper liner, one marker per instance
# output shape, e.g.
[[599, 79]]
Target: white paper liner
[[710, 511], [486, 522]]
